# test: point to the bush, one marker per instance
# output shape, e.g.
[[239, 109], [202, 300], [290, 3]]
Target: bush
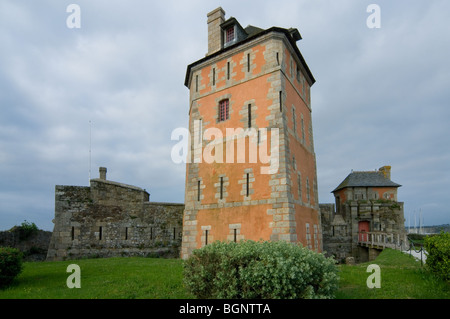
[[26, 229], [438, 254], [10, 265], [251, 270]]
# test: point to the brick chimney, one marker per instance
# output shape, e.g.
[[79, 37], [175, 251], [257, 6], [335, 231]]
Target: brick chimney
[[102, 171], [215, 19], [386, 170]]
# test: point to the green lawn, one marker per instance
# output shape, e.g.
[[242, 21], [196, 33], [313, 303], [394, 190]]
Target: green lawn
[[111, 278], [402, 277], [151, 278]]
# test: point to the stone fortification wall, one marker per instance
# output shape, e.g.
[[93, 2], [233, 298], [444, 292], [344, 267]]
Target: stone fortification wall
[[111, 219], [34, 247]]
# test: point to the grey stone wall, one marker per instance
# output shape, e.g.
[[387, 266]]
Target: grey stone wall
[[34, 247], [111, 219]]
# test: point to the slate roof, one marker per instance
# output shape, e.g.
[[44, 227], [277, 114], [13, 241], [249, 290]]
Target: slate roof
[[366, 179], [292, 35]]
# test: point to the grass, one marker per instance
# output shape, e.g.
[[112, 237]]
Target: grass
[[109, 278], [402, 277]]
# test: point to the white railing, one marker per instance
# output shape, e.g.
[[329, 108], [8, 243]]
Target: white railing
[[384, 240]]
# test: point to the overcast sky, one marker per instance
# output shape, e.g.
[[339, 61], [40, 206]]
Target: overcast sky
[[115, 86]]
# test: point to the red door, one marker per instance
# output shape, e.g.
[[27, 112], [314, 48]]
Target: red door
[[363, 227]]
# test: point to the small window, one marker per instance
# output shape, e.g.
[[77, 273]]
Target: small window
[[228, 70], [249, 115], [224, 110], [73, 233], [291, 70], [100, 231], [281, 100], [248, 184], [221, 187], [248, 62], [198, 191], [214, 76], [308, 195], [303, 130], [196, 83], [229, 34], [206, 237], [294, 121], [235, 235]]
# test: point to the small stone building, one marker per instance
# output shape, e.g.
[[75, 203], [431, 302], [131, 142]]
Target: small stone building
[[110, 219], [365, 203]]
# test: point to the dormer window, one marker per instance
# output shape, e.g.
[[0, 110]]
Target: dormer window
[[232, 32]]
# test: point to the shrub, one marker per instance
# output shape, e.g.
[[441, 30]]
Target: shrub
[[10, 265], [438, 254], [252, 270], [26, 229]]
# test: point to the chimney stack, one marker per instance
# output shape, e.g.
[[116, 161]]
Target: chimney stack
[[215, 19], [386, 170], [102, 171]]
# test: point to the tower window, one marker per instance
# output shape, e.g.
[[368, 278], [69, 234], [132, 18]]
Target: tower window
[[249, 115], [308, 195], [228, 70], [214, 76], [198, 191], [206, 237], [235, 235], [294, 121], [303, 130], [248, 62], [281, 100], [248, 184], [221, 187], [73, 233], [100, 231], [224, 110], [196, 83]]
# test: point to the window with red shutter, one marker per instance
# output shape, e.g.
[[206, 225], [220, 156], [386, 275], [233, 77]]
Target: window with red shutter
[[223, 110]]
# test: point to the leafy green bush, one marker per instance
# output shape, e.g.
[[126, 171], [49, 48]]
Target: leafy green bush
[[26, 229], [438, 254], [10, 265], [251, 270]]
